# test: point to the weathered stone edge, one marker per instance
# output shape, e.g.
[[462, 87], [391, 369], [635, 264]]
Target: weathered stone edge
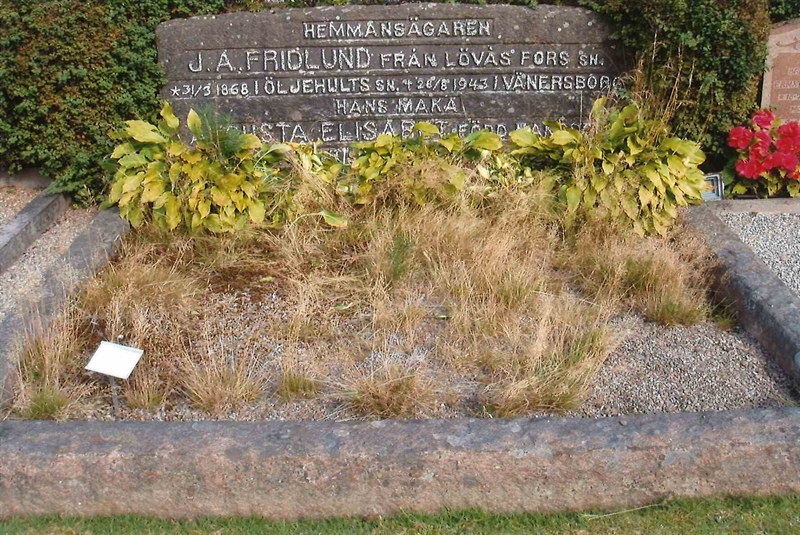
[[790, 205], [27, 178], [89, 252], [766, 307], [292, 470], [23, 229]]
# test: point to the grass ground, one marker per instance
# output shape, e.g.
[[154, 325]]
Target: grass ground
[[496, 309], [734, 516]]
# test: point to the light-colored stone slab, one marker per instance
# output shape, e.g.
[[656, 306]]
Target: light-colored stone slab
[[781, 89]]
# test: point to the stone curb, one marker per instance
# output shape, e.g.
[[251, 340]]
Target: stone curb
[[89, 252], [27, 178], [293, 470], [24, 228], [760, 206], [766, 307]]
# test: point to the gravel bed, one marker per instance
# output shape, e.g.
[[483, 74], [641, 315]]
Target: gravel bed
[[13, 199], [17, 285], [685, 369], [775, 238], [655, 369]]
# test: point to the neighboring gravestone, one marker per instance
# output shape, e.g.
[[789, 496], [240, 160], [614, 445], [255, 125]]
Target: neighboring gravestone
[[781, 89], [344, 74]]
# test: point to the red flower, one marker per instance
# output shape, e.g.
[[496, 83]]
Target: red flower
[[790, 129], [786, 160], [749, 168], [761, 147], [740, 137], [764, 119], [787, 144]]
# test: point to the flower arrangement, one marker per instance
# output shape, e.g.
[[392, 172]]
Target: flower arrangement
[[768, 156]]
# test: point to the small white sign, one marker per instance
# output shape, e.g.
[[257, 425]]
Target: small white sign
[[114, 360]]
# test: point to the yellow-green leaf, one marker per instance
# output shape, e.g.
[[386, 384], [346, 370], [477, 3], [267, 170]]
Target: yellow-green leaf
[[256, 211], [563, 137], [630, 206], [132, 160], [192, 156], [135, 215], [248, 188], [176, 148], [213, 223], [169, 116], [333, 219], [121, 150], [173, 207], [523, 137], [487, 140], [116, 192], [161, 201], [144, 132], [153, 190], [250, 142], [197, 220], [204, 208], [426, 129], [133, 183], [220, 197], [573, 198], [194, 123], [457, 180], [645, 196], [383, 140]]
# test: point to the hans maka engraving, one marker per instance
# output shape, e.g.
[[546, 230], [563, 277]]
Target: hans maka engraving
[[345, 74]]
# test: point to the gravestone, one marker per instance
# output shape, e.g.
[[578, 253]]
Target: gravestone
[[345, 74], [781, 89]]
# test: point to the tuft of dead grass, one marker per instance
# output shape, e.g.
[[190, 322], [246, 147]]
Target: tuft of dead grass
[[49, 383], [390, 390], [665, 278]]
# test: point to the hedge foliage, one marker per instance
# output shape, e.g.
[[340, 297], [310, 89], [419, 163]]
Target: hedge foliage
[[70, 72], [781, 10], [73, 70]]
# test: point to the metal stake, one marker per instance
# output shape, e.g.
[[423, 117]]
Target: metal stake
[[114, 396]]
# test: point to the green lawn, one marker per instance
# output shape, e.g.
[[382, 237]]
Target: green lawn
[[717, 517]]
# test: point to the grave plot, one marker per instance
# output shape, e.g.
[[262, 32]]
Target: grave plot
[[421, 313]]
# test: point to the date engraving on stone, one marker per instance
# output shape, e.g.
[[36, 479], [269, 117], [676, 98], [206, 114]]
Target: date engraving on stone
[[781, 89], [345, 74]]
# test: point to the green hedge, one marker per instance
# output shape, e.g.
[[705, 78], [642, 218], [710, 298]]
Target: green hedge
[[781, 10], [72, 70]]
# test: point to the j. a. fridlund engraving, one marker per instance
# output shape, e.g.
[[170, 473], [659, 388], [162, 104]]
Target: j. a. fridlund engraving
[[344, 74]]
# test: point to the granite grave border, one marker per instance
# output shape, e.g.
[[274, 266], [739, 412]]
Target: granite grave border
[[292, 470]]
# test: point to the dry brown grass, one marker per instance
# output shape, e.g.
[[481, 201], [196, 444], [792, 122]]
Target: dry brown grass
[[390, 390], [665, 278], [409, 312], [49, 382]]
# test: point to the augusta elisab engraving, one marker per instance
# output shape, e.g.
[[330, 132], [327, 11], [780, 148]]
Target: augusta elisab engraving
[[344, 74]]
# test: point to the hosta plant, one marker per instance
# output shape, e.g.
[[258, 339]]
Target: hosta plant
[[221, 183], [218, 184], [424, 167], [625, 166]]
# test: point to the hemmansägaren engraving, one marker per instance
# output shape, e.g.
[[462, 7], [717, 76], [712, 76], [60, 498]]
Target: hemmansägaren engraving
[[345, 74]]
